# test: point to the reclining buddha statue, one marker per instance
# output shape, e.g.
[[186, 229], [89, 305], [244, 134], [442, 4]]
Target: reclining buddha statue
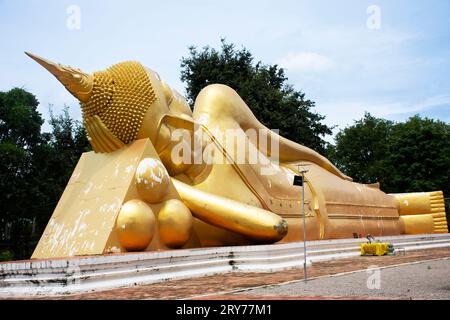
[[162, 177]]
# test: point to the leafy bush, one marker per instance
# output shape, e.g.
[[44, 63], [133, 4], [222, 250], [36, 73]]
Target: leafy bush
[[6, 255]]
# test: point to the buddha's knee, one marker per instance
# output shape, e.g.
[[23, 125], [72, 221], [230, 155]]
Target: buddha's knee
[[218, 99], [216, 91]]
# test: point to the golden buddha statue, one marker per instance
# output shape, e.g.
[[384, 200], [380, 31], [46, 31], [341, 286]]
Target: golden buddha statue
[[162, 176]]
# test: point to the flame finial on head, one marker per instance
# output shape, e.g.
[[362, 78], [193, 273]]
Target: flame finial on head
[[113, 102], [78, 83]]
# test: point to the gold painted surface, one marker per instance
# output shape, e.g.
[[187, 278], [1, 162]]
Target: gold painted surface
[[131, 114], [78, 83], [425, 205], [135, 225], [420, 202], [100, 137], [152, 180], [120, 97], [175, 223], [253, 222], [418, 224], [86, 212]]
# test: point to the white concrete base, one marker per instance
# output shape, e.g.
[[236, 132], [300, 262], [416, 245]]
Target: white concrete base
[[94, 273]]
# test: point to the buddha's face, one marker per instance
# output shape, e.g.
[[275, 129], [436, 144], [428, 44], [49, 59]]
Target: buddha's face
[[150, 126], [168, 102]]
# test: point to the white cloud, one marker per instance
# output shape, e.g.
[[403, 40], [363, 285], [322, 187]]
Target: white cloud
[[306, 62], [434, 101], [343, 114]]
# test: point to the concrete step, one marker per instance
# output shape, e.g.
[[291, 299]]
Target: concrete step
[[89, 273]]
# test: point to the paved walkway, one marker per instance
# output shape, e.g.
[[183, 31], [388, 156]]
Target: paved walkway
[[424, 280], [217, 286]]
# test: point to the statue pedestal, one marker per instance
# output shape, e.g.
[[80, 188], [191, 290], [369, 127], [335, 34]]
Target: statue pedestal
[[101, 272], [84, 220]]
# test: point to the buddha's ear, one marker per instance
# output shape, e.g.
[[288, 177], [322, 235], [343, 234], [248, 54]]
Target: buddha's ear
[[100, 137]]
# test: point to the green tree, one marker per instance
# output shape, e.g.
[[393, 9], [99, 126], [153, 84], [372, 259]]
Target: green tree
[[20, 122], [263, 87], [407, 156], [34, 168], [54, 163], [362, 149], [419, 155], [20, 137]]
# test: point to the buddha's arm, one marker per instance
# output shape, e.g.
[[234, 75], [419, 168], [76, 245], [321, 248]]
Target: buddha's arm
[[218, 104], [255, 223]]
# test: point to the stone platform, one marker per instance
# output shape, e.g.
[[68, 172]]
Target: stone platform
[[94, 273]]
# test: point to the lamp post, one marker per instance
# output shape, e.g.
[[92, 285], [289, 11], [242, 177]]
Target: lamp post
[[300, 181]]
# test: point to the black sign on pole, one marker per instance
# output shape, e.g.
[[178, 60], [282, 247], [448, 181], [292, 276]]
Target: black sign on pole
[[298, 180]]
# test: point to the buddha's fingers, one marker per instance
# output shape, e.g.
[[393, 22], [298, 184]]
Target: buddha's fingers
[[250, 221]]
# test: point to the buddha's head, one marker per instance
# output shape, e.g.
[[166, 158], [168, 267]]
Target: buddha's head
[[121, 104]]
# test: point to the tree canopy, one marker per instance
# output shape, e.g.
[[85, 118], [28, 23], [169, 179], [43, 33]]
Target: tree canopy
[[361, 150], [406, 156], [34, 167], [419, 155], [263, 87]]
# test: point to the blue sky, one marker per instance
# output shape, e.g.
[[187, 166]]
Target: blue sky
[[327, 48]]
